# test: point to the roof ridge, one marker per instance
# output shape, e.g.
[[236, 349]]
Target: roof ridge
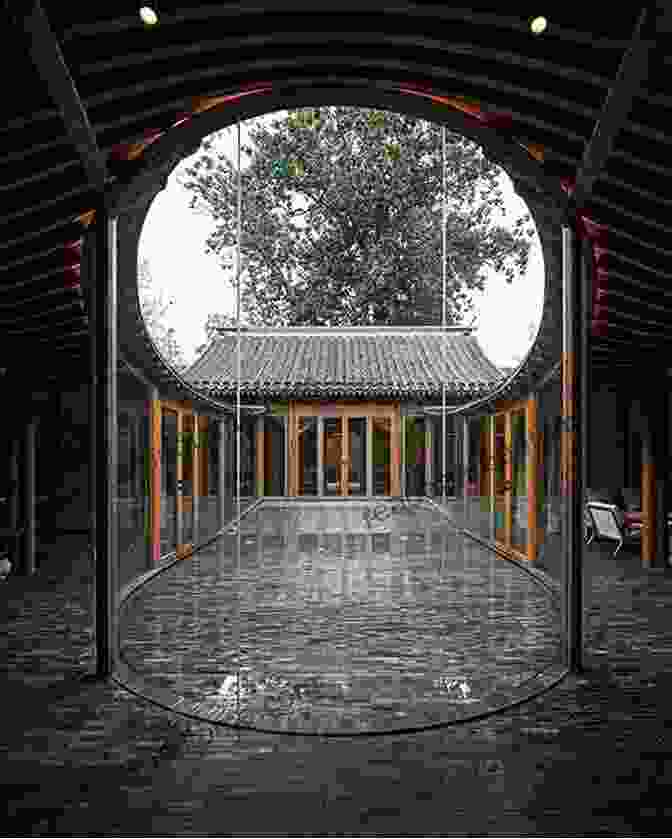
[[344, 330]]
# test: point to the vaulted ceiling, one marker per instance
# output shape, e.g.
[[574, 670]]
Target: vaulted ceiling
[[592, 91]]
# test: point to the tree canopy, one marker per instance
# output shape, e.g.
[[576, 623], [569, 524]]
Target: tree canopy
[[154, 308], [213, 323], [342, 219]]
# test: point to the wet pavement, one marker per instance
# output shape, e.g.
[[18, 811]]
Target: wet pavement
[[342, 617], [592, 756]]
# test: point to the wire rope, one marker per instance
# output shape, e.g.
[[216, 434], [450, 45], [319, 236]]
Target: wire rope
[[443, 315], [238, 464]]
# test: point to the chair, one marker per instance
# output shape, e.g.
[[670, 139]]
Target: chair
[[608, 523]]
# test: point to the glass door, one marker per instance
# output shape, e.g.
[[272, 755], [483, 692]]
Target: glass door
[[416, 454], [333, 456], [519, 481], [186, 491], [356, 456], [168, 480], [274, 456], [382, 438], [500, 456], [307, 455]]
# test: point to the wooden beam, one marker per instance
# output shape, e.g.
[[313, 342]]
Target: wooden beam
[[48, 59], [631, 74]]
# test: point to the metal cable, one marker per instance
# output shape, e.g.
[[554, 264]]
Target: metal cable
[[443, 317]]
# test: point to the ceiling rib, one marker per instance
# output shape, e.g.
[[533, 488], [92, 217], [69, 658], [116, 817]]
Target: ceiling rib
[[631, 74], [48, 59], [639, 284], [254, 41], [404, 10]]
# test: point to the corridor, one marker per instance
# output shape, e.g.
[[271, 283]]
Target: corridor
[[341, 617]]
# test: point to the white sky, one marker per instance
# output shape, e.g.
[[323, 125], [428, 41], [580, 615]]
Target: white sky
[[173, 241]]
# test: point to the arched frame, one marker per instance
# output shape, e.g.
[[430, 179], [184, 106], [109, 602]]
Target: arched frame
[[130, 201]]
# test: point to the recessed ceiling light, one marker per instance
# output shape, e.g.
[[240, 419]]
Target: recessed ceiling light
[[148, 16], [538, 25]]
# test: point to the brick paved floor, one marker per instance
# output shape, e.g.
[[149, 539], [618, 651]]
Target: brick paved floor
[[590, 757], [345, 623]]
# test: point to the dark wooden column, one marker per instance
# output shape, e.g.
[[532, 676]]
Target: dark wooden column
[[104, 439], [14, 494], [28, 566], [154, 477], [663, 487], [649, 524], [655, 472], [223, 465], [573, 442]]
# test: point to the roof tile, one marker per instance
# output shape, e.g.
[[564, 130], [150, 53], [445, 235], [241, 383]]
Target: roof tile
[[406, 363]]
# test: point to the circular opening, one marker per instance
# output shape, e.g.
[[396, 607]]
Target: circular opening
[[279, 155]]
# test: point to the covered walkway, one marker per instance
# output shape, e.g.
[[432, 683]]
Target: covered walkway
[[590, 756], [104, 106]]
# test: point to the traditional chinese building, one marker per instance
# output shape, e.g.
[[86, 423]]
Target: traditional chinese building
[[343, 412]]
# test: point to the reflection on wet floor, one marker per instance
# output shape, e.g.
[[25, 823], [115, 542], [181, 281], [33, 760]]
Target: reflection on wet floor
[[336, 617]]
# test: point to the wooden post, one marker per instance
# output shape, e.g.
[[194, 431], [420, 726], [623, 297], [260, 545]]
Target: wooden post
[[155, 476], [540, 533], [104, 438], [648, 488], [508, 478], [292, 489], [28, 566], [179, 495], [198, 466], [533, 459], [429, 456], [285, 436], [369, 455], [395, 459], [403, 456], [345, 455], [491, 475], [661, 441], [320, 456], [572, 471], [221, 478], [260, 456], [14, 499]]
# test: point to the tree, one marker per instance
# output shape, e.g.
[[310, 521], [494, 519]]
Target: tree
[[342, 214], [154, 310], [213, 322]]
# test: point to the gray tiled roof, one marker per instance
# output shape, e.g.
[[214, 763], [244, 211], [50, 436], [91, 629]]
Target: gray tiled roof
[[355, 363]]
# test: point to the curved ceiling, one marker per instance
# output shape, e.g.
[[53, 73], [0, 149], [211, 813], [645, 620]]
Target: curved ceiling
[[594, 94]]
